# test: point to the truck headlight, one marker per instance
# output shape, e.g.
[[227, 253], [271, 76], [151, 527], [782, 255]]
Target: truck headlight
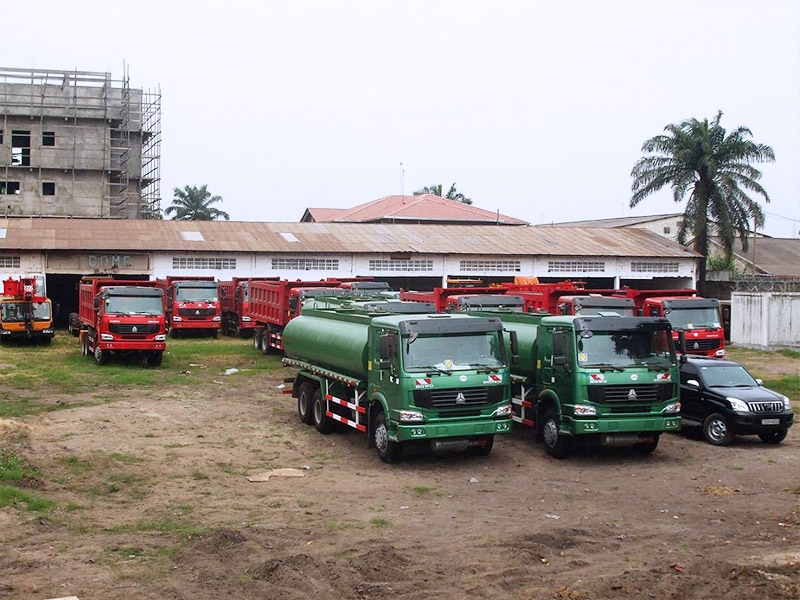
[[245, 319], [584, 410], [215, 318], [504, 411], [106, 337], [738, 406], [160, 337], [672, 409], [176, 319], [720, 353], [411, 416]]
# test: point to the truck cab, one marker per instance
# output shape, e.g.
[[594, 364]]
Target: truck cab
[[596, 304]]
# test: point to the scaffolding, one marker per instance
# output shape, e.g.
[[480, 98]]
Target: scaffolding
[[99, 154]]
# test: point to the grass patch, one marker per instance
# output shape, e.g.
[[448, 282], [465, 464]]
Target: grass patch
[[788, 385], [15, 468], [13, 496], [421, 490], [379, 522]]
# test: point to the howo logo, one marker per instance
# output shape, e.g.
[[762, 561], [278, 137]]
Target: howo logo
[[460, 399], [134, 329]]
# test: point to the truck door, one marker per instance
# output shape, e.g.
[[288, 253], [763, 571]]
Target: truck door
[[557, 369], [386, 365]]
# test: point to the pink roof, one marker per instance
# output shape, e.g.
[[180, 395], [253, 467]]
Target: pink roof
[[418, 209]]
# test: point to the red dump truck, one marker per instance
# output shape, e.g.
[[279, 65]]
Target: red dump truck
[[234, 304], [273, 303], [121, 317], [458, 299], [191, 304], [698, 318]]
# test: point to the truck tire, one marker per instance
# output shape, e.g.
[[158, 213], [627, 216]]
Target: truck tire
[[555, 444], [85, 345], [388, 451], [73, 324], [483, 448], [154, 358], [101, 356], [322, 422], [257, 333], [773, 437], [305, 402], [647, 447], [265, 342], [716, 430]]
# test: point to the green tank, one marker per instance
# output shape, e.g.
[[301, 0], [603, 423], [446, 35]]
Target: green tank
[[329, 339], [526, 325]]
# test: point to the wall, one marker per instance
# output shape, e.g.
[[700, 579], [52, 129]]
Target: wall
[[765, 320]]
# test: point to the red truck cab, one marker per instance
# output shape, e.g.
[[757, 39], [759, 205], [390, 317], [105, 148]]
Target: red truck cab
[[121, 317], [191, 304]]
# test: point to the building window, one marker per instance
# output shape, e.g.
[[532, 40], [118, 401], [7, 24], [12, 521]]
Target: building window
[[48, 188], [653, 266], [48, 138], [21, 148], [207, 263], [401, 265], [305, 264], [9, 262], [490, 265], [9, 187], [1, 136], [576, 266]]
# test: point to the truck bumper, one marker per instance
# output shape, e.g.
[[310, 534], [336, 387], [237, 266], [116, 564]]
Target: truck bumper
[[422, 431], [627, 425], [132, 346], [196, 325], [19, 334]]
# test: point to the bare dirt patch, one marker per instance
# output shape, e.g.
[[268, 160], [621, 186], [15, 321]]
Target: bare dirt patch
[[153, 502]]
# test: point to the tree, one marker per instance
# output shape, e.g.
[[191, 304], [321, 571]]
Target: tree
[[700, 159], [452, 194], [194, 204]]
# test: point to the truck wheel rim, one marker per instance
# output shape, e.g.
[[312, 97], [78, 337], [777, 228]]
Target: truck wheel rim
[[550, 433], [717, 430], [381, 438]]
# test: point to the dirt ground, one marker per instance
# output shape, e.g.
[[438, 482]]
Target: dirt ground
[[154, 503]]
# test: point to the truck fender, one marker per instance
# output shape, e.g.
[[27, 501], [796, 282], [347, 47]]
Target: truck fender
[[303, 377], [547, 399], [377, 404]]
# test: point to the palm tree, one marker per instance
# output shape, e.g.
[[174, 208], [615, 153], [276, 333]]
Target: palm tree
[[452, 194], [698, 158], [194, 204]]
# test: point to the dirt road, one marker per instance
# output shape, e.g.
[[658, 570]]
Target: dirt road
[[153, 502]]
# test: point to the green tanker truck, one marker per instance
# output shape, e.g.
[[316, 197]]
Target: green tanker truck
[[434, 379], [605, 380]]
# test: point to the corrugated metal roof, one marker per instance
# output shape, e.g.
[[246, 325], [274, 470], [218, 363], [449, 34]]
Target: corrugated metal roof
[[776, 256], [614, 222], [423, 207], [331, 238]]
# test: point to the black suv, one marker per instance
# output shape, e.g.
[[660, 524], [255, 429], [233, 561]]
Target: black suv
[[723, 398]]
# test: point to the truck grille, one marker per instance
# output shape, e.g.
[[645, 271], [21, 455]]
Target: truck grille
[[765, 407], [126, 328], [197, 313], [648, 392], [701, 345], [458, 397]]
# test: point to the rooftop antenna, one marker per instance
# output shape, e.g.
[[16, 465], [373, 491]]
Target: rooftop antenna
[[402, 182]]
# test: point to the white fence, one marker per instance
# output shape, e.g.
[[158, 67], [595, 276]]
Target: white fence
[[765, 320]]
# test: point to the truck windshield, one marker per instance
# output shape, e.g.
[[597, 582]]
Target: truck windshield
[[15, 311], [134, 305], [620, 349], [196, 293], [453, 352], [694, 317]]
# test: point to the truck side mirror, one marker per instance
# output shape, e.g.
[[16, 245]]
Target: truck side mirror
[[384, 348], [682, 344]]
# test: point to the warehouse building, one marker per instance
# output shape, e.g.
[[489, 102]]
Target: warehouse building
[[60, 251]]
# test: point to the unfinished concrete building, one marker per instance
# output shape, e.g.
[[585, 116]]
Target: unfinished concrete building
[[78, 144]]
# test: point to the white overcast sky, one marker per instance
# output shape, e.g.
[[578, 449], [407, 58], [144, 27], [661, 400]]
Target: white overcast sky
[[537, 109]]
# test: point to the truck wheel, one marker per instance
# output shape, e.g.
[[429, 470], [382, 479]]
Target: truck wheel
[[483, 448], [647, 447], [773, 437], [154, 358], [555, 444], [716, 430], [85, 345], [322, 422], [101, 356], [257, 333], [265, 342], [305, 403], [388, 451], [73, 324]]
